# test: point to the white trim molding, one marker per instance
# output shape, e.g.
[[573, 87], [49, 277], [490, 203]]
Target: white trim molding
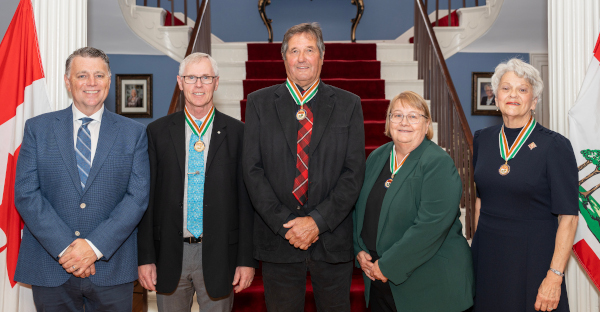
[[147, 23]]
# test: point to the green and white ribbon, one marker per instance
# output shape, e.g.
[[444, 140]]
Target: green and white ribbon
[[300, 98], [199, 130], [509, 153], [394, 165]]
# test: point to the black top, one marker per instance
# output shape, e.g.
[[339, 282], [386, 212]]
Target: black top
[[373, 208]]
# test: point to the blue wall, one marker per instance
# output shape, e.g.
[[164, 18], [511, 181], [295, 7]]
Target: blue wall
[[164, 77], [239, 21], [461, 67]]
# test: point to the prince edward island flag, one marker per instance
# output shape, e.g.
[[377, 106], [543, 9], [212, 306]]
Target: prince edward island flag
[[584, 132]]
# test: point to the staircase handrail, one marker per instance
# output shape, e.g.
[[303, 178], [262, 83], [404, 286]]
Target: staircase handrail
[[454, 133], [200, 41]]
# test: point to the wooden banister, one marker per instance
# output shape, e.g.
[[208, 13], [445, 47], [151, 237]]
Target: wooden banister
[[454, 133], [199, 42]]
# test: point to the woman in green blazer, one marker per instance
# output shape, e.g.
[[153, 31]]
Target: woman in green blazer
[[407, 233]]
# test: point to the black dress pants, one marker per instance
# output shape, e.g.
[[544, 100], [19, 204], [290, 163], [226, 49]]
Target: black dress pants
[[380, 297], [285, 285]]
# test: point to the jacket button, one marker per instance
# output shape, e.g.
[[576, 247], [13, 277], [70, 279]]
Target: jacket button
[[298, 207], [180, 233], [82, 205], [77, 233]]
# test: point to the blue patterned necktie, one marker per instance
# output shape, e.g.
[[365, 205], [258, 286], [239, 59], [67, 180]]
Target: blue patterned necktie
[[83, 150], [195, 189]]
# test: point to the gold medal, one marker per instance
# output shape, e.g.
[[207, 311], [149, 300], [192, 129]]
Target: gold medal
[[509, 153], [199, 146], [301, 98], [504, 169], [301, 114], [388, 182]]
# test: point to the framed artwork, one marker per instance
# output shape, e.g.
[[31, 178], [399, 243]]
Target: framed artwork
[[134, 96], [483, 99]]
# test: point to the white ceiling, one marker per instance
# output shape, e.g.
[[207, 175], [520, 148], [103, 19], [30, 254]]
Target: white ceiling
[[521, 26]]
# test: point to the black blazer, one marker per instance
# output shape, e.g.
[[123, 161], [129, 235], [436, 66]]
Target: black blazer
[[335, 175], [227, 209]]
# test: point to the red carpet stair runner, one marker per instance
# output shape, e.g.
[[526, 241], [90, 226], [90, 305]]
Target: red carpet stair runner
[[350, 66]]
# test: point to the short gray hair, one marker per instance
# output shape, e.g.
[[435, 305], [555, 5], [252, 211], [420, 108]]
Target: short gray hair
[[86, 52], [197, 57], [522, 70], [312, 29]]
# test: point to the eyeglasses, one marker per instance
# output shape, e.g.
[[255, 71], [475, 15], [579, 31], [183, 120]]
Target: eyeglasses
[[413, 118], [203, 79]]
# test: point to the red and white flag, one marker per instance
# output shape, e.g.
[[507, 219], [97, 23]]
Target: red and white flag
[[584, 133], [23, 92]]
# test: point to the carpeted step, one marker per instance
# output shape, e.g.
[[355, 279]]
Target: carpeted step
[[333, 51], [275, 69], [365, 88], [252, 299], [372, 109], [374, 133]]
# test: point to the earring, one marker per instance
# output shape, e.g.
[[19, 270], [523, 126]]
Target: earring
[[532, 112], [497, 108]]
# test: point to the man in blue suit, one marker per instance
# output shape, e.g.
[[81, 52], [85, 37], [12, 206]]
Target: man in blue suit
[[81, 187]]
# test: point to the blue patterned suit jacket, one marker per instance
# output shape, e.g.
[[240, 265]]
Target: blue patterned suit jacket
[[49, 197]]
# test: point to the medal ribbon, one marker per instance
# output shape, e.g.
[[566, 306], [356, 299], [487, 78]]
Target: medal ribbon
[[298, 96], [394, 165], [199, 131], [509, 153]]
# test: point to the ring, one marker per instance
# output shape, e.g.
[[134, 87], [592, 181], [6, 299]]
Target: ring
[[73, 267]]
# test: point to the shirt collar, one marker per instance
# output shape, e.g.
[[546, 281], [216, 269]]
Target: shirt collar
[[97, 116]]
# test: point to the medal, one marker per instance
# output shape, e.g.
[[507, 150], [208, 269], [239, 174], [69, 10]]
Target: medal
[[200, 131], [300, 98], [301, 114], [504, 169], [394, 166], [199, 146], [388, 182], [509, 153]]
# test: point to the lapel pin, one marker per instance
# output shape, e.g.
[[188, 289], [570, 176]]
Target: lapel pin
[[218, 132], [532, 145]]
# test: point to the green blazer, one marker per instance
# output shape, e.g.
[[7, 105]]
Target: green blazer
[[423, 253]]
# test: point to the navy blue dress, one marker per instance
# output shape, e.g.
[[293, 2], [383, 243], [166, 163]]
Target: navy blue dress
[[514, 243]]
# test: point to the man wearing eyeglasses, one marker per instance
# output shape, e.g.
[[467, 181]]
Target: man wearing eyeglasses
[[196, 236]]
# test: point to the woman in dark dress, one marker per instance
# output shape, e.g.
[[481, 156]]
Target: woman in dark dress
[[526, 177]]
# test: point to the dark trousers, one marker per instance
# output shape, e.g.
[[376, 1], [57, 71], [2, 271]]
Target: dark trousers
[[77, 292], [285, 285], [380, 297]]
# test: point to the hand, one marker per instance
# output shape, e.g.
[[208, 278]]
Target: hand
[[377, 272], [91, 270], [78, 257], [243, 278], [147, 276], [364, 260], [303, 232], [548, 293]]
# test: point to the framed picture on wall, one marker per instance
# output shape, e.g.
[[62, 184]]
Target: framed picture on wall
[[483, 100], [134, 96]]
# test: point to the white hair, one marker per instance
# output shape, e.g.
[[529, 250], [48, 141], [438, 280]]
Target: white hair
[[522, 70], [197, 57]]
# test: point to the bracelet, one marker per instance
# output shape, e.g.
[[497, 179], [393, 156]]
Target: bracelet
[[557, 272]]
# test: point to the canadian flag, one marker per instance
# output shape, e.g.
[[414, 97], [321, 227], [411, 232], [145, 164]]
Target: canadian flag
[[23, 93], [584, 133]]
